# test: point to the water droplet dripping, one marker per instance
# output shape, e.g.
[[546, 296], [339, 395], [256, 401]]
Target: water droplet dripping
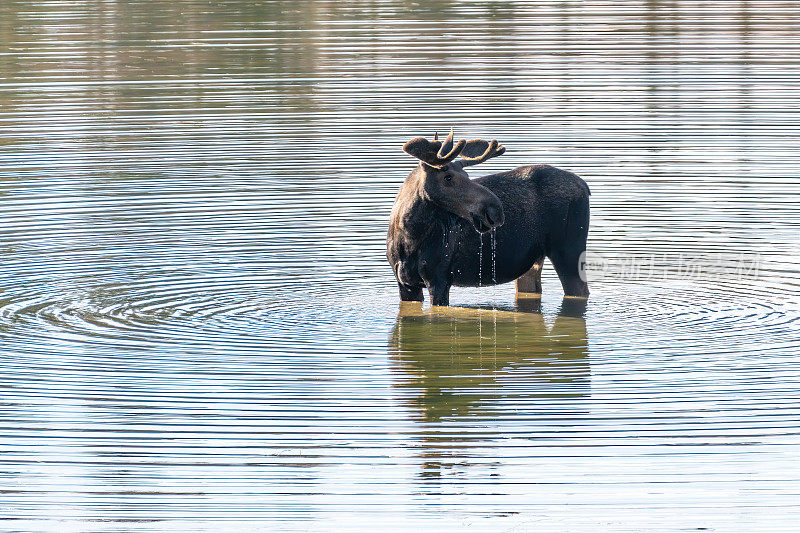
[[494, 267], [494, 258], [480, 259]]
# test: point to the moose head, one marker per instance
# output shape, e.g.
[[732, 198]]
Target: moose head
[[443, 181]]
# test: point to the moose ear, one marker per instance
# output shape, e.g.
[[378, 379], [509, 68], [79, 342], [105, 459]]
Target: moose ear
[[422, 148]]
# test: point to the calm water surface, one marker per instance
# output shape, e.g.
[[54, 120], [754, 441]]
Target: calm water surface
[[199, 330]]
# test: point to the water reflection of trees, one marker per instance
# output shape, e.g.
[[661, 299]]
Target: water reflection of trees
[[471, 375]]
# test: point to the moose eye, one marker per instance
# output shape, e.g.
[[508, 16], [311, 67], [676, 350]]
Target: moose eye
[[448, 177]]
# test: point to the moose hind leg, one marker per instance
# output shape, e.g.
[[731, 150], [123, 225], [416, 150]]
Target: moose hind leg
[[570, 266], [531, 281], [568, 254]]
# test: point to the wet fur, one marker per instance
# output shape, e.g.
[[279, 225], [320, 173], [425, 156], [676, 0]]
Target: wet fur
[[546, 213]]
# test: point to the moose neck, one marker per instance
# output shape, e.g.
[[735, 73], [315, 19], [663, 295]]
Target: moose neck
[[414, 213]]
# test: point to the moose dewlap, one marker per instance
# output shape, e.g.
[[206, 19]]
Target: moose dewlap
[[440, 216]]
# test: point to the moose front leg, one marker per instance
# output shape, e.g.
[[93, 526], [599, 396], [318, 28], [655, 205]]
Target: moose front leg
[[435, 273], [439, 290], [410, 293]]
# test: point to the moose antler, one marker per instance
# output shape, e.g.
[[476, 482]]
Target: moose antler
[[478, 151], [436, 154]]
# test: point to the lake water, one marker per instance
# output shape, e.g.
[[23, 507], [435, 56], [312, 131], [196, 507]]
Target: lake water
[[199, 330]]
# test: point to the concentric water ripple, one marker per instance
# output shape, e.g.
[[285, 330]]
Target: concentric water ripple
[[199, 330]]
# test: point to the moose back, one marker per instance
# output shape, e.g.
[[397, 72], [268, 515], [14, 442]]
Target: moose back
[[439, 232]]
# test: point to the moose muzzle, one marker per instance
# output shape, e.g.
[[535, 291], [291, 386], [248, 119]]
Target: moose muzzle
[[489, 216]]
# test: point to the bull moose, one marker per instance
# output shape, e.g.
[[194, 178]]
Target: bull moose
[[439, 232]]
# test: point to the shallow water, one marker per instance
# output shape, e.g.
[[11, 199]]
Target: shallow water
[[199, 330]]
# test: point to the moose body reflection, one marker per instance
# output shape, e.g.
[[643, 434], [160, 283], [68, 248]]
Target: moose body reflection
[[479, 362], [505, 372]]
